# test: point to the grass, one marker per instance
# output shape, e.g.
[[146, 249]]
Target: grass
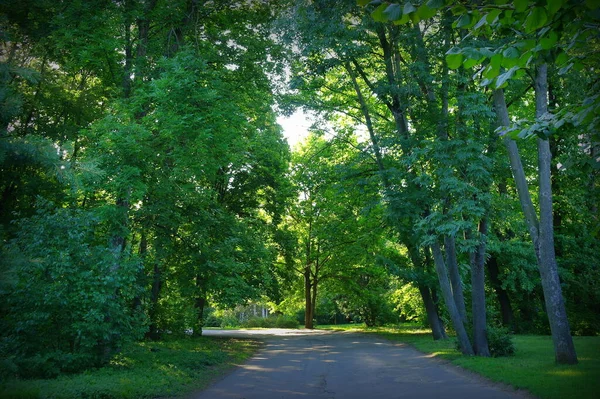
[[169, 368], [531, 368]]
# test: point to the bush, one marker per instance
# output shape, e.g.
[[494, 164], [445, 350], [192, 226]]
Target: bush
[[500, 341], [65, 307]]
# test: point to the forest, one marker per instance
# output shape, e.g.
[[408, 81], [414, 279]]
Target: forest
[[451, 176]]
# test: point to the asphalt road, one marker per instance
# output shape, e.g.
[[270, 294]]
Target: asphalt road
[[320, 364]]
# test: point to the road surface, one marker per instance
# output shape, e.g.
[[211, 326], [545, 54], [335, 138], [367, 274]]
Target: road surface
[[323, 364]]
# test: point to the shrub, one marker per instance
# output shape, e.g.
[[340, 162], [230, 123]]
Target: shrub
[[500, 341], [65, 307]]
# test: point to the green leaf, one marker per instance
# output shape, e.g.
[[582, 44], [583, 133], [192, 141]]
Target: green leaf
[[492, 15], [526, 44], [521, 5], [405, 18], [454, 57], [536, 19], [481, 22], [500, 2], [503, 78], [472, 53], [378, 14], [454, 60], [561, 58], [554, 5], [511, 52], [486, 52], [458, 10], [463, 21], [470, 62], [433, 4], [525, 59], [408, 8], [490, 72], [393, 12], [426, 12], [362, 3], [548, 42], [496, 61]]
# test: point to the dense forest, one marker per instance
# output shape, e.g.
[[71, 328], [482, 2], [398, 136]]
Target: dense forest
[[451, 175]]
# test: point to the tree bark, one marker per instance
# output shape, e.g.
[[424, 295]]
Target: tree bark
[[461, 333], [435, 322], [308, 316], [480, 342], [437, 328], [455, 279]]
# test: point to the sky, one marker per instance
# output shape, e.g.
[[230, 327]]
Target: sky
[[295, 127]]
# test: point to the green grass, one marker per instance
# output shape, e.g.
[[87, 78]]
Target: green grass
[[531, 368], [169, 368]]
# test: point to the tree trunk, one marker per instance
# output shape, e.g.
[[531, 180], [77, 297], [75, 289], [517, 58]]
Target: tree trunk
[[455, 280], [199, 304], [435, 322], [557, 314], [461, 333], [313, 308], [437, 328], [480, 342], [505, 306], [308, 316]]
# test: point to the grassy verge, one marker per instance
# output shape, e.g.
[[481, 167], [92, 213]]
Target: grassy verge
[[531, 368], [169, 368]]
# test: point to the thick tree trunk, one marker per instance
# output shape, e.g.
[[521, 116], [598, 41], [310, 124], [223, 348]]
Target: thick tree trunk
[[502, 295], [461, 333], [480, 342], [557, 314], [308, 315]]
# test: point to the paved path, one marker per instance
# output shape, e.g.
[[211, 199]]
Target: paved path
[[321, 364]]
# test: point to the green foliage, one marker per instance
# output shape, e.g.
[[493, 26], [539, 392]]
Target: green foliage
[[66, 304], [170, 368], [409, 304], [500, 341]]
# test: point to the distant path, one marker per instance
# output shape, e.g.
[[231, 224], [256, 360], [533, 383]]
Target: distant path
[[324, 364]]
